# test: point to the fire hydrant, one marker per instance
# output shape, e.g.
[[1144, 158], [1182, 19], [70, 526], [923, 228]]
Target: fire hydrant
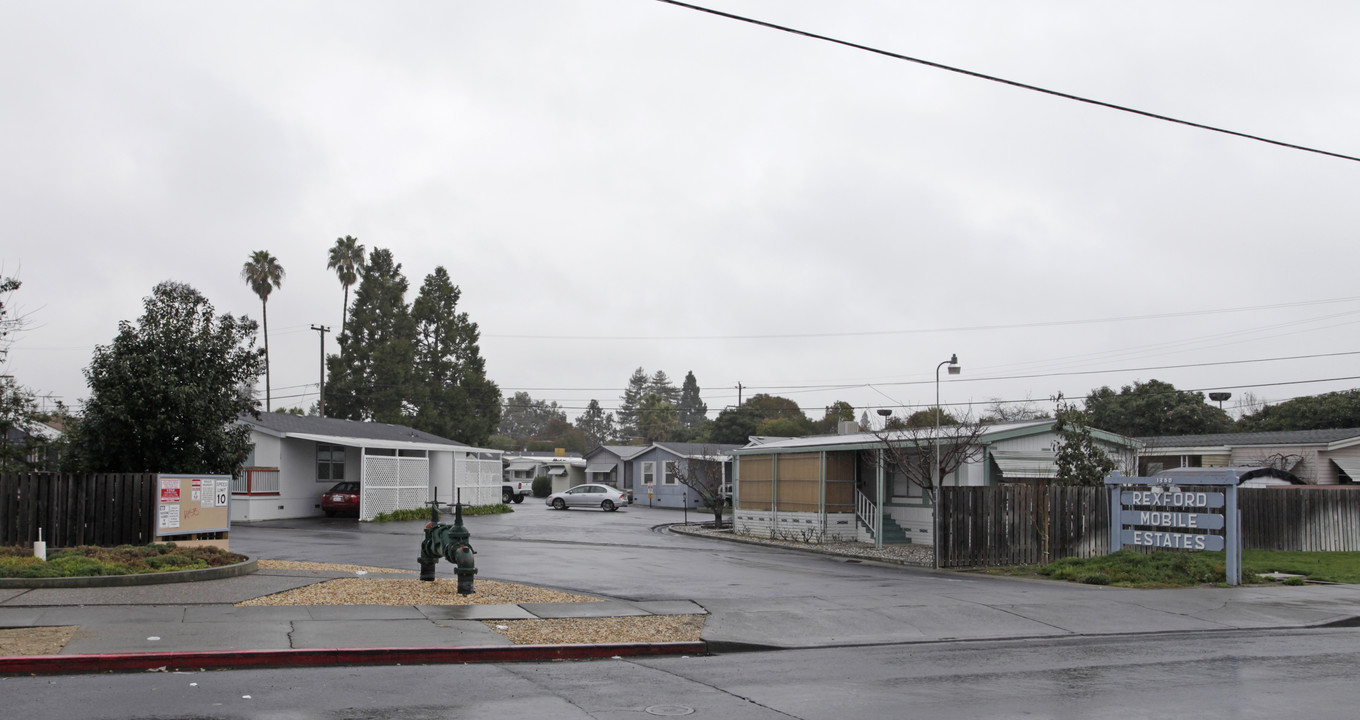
[[451, 542]]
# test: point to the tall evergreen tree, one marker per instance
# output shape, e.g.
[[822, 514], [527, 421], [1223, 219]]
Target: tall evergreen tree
[[263, 273], [596, 424], [347, 260], [453, 397], [691, 407], [657, 420], [371, 377], [629, 404], [660, 384]]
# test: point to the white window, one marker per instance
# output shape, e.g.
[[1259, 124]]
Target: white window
[[671, 468], [330, 462], [648, 473]]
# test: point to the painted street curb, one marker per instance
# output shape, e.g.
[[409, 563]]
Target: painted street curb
[[240, 659], [93, 581]]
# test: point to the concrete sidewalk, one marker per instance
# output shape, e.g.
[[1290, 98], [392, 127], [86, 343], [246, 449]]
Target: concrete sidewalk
[[196, 625]]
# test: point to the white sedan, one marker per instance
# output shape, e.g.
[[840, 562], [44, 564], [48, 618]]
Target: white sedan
[[600, 496]]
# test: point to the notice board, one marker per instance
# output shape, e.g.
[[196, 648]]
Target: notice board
[[190, 504]]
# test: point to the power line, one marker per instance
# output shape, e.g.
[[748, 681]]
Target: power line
[[1012, 83], [917, 331]]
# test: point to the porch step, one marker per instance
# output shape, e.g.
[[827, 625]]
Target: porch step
[[893, 534]]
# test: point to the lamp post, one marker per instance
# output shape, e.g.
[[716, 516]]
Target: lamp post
[[954, 369]]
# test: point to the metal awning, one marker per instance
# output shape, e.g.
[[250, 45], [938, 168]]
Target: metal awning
[[557, 471], [1350, 466], [1026, 467], [379, 444], [600, 468], [521, 466]]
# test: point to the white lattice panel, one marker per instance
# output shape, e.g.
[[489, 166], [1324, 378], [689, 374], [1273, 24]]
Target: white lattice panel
[[393, 483], [479, 481]]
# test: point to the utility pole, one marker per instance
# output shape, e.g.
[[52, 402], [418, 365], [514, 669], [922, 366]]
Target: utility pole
[[321, 404], [738, 394]]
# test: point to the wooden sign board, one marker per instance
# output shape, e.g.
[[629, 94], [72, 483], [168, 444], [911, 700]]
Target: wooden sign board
[[189, 506]]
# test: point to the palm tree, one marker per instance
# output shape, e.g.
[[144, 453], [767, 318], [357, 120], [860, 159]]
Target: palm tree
[[347, 260], [262, 272]]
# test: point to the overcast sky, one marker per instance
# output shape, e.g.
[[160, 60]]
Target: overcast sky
[[625, 183]]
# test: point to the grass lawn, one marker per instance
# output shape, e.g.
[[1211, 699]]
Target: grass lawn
[[1168, 569], [1337, 567]]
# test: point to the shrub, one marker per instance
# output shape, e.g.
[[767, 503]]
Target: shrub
[[78, 566], [542, 486]]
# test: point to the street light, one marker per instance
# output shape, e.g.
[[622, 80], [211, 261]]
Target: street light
[[954, 369]]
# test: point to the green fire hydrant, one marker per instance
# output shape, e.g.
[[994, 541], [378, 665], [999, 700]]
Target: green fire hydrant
[[451, 542]]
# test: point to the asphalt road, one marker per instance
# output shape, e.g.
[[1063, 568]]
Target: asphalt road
[[624, 554], [1203, 674], [1303, 674]]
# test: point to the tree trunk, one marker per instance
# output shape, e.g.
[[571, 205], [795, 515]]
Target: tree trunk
[[344, 312], [264, 312]]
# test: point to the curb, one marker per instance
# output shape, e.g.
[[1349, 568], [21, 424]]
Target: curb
[[234, 659], [92, 581]]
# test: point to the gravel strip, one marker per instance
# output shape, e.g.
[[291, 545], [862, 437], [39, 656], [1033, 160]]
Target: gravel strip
[[295, 565], [35, 641], [443, 591], [597, 631]]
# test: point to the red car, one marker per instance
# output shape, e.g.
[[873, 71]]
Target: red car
[[341, 498]]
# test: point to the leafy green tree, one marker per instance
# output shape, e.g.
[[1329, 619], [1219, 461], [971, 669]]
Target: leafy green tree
[[165, 395], [524, 418], [595, 424], [370, 379], [559, 433], [18, 407], [835, 413], [1315, 412], [693, 411], [926, 418], [347, 260], [737, 425], [1080, 460], [263, 273], [657, 419], [19, 419], [453, 397], [629, 403], [1154, 408]]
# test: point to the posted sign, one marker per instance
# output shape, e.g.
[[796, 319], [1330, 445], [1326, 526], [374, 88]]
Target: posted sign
[[1154, 512], [189, 504]]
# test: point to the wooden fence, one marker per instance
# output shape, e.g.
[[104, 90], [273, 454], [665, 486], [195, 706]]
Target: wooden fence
[[1036, 524], [95, 509], [1021, 524]]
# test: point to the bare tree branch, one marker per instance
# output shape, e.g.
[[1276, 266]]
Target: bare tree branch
[[910, 451]]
